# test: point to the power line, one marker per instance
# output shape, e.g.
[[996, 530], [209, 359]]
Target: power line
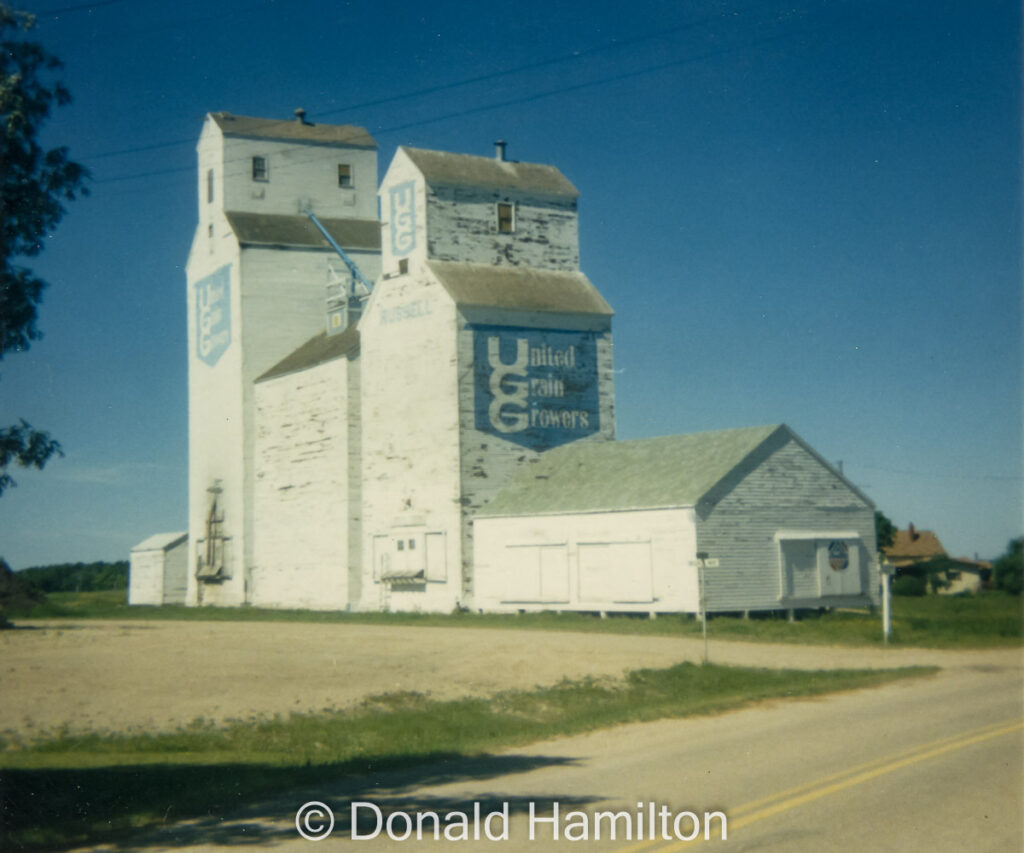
[[1008, 478], [79, 8], [507, 103], [532, 66], [444, 87]]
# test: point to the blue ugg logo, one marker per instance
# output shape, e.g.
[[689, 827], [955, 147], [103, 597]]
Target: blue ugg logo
[[536, 387]]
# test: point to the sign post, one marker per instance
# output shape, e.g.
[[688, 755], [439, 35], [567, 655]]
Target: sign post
[[886, 571], [702, 557]]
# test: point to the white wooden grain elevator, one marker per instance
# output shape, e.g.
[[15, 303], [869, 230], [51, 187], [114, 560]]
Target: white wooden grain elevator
[[375, 403]]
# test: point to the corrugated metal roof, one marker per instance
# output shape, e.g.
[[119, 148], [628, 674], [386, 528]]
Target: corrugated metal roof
[[294, 130], [672, 471], [522, 288], [281, 230], [162, 541], [316, 350], [467, 170]]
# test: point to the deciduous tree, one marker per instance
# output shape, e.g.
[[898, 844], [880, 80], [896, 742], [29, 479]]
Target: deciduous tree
[[34, 184], [885, 531], [1008, 570]]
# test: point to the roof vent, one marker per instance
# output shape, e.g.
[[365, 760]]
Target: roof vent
[[300, 116], [499, 150]]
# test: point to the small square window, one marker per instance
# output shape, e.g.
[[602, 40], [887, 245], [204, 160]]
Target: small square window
[[412, 544], [260, 169], [344, 175], [506, 218], [401, 544]]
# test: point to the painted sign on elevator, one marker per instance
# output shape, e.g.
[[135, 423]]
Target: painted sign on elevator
[[213, 315], [535, 387], [403, 218]]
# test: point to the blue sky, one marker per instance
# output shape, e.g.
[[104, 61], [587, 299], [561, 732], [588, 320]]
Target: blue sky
[[802, 212]]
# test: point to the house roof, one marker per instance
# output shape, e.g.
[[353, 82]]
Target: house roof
[[443, 167], [294, 130], [522, 288], [675, 470], [283, 230], [316, 350], [971, 565], [162, 541], [914, 545]]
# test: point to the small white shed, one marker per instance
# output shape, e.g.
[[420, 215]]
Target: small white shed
[[617, 526], [157, 572]]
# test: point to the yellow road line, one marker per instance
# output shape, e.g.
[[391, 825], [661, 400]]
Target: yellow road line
[[791, 798], [867, 765]]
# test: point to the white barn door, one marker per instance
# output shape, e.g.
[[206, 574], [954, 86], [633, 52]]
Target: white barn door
[[615, 572], [537, 573], [839, 564]]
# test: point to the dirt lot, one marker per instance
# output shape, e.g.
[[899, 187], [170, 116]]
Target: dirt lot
[[160, 675]]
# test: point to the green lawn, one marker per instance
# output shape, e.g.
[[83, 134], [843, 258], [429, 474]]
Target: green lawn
[[85, 789], [88, 789], [988, 619]]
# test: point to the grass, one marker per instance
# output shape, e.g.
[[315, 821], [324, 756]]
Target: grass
[[77, 789], [987, 619]]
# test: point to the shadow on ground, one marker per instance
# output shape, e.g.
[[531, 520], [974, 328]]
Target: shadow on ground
[[239, 804]]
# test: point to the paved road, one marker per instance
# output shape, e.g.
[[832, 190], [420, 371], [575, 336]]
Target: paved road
[[932, 764]]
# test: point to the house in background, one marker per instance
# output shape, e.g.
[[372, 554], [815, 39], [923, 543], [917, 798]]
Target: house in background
[[912, 546], [965, 575], [919, 554]]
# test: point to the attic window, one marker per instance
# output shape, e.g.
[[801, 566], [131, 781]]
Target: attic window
[[344, 175], [506, 218], [260, 169]]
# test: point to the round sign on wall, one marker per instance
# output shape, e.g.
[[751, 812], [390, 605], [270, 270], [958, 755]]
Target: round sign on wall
[[838, 555]]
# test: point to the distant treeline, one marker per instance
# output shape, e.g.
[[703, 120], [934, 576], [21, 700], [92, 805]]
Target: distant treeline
[[78, 577]]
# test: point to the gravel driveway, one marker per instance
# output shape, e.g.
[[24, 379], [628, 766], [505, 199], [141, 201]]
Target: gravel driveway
[[96, 675]]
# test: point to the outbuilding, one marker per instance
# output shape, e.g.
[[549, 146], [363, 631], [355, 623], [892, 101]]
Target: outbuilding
[[158, 568], [617, 526]]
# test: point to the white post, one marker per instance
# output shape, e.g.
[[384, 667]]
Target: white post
[[701, 557], [886, 603]]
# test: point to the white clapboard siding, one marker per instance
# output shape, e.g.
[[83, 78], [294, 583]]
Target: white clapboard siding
[[786, 488], [631, 562], [276, 272], [305, 471]]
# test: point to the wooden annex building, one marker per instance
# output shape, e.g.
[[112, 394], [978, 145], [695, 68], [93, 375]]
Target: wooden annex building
[[617, 527], [401, 397]]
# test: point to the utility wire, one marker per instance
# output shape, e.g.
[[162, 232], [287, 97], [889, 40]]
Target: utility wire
[[532, 66], [79, 8], [507, 103], [1008, 478], [444, 87]]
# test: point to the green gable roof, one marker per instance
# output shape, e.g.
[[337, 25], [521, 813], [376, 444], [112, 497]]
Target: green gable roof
[[274, 229], [317, 350], [521, 288], [467, 170], [672, 471], [293, 130]]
